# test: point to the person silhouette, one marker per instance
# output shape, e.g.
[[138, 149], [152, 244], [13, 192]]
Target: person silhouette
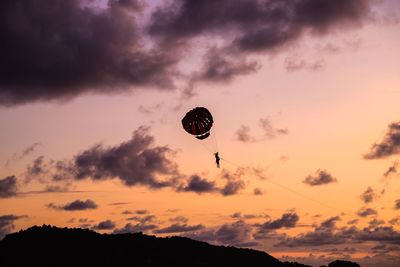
[[217, 159]]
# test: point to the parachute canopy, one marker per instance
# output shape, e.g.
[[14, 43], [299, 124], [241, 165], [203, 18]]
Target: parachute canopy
[[198, 122]]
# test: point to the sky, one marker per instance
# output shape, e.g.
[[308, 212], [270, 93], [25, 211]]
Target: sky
[[304, 97]]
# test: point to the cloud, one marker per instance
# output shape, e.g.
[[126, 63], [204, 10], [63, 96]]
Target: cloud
[[8, 187], [141, 212], [7, 224], [237, 234], [199, 185], [142, 219], [75, 205], [383, 234], [369, 195], [365, 212], [223, 67], [136, 162], [295, 63], [150, 110], [258, 192], [118, 203], [37, 169], [375, 222], [105, 225], [243, 134], [135, 228], [397, 204], [239, 215], [179, 228], [234, 182], [392, 169], [254, 25], [330, 223], [321, 177], [178, 219], [390, 145], [74, 56], [30, 149], [75, 59], [287, 220], [353, 221], [269, 130]]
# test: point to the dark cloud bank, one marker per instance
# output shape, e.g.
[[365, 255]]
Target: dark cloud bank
[[60, 49], [136, 162]]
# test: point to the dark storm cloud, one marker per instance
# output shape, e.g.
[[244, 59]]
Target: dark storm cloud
[[60, 49], [8, 187], [7, 224], [287, 220], [179, 228], [256, 25], [321, 177], [105, 225], [136, 162], [369, 195], [75, 205], [365, 212], [390, 145]]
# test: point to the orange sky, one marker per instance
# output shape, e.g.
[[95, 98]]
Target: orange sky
[[333, 116]]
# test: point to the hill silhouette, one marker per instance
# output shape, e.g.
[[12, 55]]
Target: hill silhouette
[[53, 246]]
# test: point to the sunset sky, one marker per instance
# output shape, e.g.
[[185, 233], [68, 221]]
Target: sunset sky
[[305, 100]]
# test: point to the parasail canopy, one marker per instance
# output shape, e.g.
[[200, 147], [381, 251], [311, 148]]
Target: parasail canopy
[[198, 122]]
